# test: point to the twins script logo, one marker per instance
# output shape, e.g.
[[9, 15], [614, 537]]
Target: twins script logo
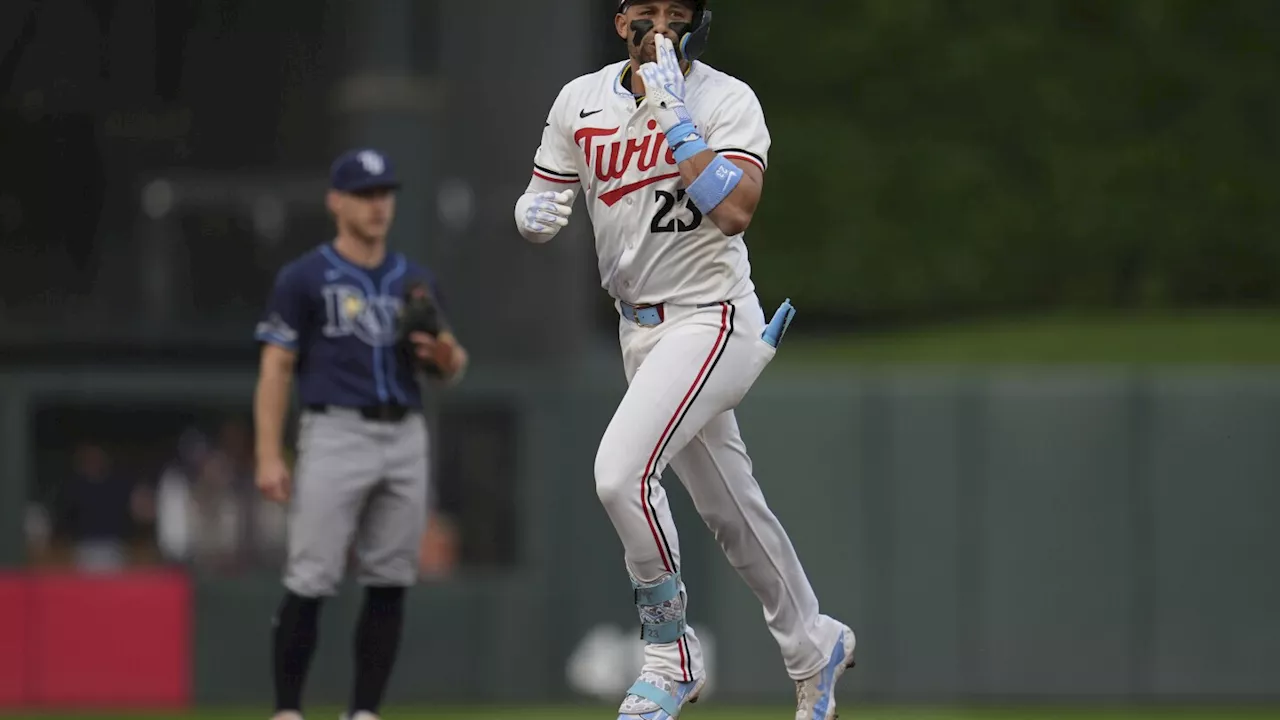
[[637, 153]]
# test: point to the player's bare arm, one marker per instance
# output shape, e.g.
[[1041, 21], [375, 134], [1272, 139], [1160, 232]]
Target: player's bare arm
[[733, 215], [270, 401]]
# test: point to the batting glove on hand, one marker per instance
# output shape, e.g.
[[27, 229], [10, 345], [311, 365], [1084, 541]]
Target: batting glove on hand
[[664, 86], [543, 214]]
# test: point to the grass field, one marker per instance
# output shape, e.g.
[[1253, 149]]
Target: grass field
[[850, 712], [1195, 338]]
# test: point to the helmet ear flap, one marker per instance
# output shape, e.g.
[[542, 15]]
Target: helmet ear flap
[[694, 42]]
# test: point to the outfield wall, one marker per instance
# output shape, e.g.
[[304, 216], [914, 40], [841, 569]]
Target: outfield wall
[[1065, 534]]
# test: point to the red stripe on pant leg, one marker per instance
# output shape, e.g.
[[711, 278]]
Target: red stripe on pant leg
[[648, 468], [666, 432], [684, 666]]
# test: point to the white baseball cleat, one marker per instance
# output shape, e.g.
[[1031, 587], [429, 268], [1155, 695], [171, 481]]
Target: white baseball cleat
[[654, 697], [362, 715], [287, 715], [816, 695]]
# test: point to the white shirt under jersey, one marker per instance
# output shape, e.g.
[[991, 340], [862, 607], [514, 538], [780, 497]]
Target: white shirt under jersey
[[652, 243]]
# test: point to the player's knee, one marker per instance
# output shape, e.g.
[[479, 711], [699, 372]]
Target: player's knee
[[614, 484]]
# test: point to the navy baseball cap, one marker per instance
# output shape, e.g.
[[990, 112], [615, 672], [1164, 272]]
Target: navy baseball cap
[[363, 169]]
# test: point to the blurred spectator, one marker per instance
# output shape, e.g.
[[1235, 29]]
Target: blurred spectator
[[38, 530], [439, 548], [200, 516], [174, 516], [259, 530], [209, 513], [218, 513], [99, 506]]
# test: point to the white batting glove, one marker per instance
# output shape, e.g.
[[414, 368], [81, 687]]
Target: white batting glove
[[541, 215], [664, 86]]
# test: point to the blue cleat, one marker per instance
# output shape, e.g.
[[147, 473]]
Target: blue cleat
[[654, 697], [816, 696]]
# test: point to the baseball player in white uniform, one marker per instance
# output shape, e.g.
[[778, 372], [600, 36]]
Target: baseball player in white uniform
[[670, 155]]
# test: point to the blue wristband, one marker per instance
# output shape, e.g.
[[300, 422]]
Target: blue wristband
[[685, 141], [714, 184]]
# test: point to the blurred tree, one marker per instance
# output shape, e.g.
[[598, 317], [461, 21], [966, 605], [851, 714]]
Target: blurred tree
[[935, 158]]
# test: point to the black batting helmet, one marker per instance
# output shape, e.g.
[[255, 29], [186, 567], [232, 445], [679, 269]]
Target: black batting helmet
[[693, 42]]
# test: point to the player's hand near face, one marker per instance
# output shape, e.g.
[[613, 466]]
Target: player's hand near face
[[664, 86], [729, 193]]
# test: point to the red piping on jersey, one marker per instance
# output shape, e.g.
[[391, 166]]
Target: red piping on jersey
[[554, 180], [736, 156], [613, 196]]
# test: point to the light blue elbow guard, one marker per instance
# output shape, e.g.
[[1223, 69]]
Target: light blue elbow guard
[[777, 327], [717, 180], [661, 610]]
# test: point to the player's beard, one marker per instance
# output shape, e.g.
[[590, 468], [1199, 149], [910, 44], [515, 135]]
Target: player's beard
[[647, 52]]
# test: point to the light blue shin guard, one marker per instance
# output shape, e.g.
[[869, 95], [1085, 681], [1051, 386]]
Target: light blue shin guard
[[661, 610]]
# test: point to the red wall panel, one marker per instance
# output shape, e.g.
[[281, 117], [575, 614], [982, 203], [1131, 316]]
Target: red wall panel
[[14, 640], [109, 641]]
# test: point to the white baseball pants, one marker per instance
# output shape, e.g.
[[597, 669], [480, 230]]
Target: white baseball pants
[[685, 376]]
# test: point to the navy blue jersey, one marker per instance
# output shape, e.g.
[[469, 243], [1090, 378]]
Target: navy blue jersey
[[341, 320]]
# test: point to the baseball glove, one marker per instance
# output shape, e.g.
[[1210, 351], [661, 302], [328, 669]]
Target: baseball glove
[[419, 313]]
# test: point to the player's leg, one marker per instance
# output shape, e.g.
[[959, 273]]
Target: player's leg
[[335, 468], [388, 544], [716, 470], [695, 369]]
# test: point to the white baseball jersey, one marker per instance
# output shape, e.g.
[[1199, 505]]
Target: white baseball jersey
[[652, 243]]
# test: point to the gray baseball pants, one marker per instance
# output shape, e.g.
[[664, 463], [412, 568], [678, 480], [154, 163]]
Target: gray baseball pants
[[359, 485]]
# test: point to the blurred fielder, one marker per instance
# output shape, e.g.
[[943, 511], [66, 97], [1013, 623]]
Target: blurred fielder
[[356, 324], [670, 154]]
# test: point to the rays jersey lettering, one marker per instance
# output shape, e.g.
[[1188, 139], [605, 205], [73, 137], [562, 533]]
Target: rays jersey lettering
[[349, 313], [340, 319], [653, 244]]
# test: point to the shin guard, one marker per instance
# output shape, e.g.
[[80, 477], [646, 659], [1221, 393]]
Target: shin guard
[[661, 608]]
